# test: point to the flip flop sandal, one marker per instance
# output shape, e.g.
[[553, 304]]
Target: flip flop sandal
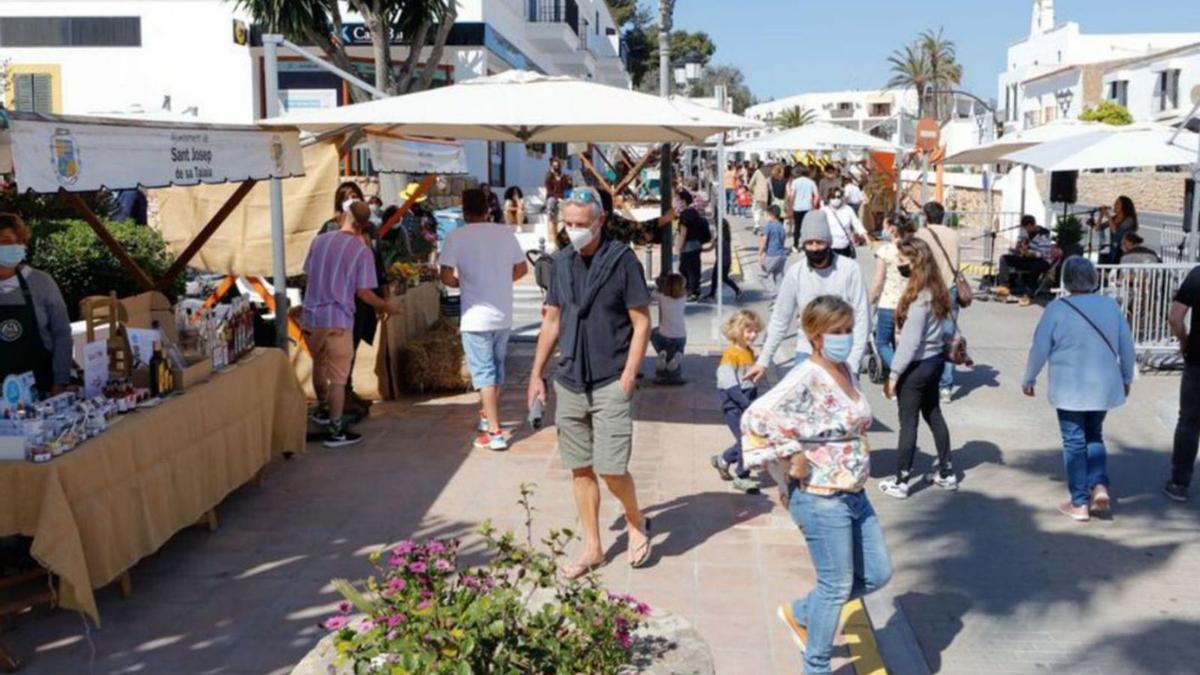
[[646, 548], [576, 570]]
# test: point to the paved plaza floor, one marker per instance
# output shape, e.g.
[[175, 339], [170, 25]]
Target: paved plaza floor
[[990, 579]]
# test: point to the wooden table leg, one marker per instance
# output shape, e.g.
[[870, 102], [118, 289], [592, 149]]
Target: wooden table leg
[[126, 584]]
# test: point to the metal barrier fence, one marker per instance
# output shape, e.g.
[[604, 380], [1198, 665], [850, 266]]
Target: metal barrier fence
[[975, 243], [1145, 294], [1174, 245]]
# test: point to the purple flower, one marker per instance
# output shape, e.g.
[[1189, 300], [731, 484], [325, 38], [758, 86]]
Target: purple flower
[[443, 566], [435, 547], [623, 638], [344, 607], [405, 547], [395, 620], [396, 584], [425, 604], [417, 567], [398, 560], [336, 622], [364, 625], [643, 609]]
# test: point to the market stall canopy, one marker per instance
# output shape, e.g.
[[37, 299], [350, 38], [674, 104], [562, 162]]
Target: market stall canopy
[[991, 153], [83, 153], [814, 136], [1112, 148], [518, 106], [392, 153]]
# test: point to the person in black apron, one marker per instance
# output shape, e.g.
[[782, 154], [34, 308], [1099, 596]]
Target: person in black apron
[[21, 346]]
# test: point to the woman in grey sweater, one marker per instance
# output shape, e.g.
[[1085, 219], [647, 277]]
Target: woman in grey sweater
[[918, 364]]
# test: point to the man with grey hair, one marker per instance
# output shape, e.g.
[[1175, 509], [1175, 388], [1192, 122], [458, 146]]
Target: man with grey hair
[[819, 273], [597, 313]]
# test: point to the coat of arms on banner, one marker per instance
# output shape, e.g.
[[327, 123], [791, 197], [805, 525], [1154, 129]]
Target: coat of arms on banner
[[64, 153]]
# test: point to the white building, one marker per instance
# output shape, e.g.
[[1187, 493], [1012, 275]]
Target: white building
[[1157, 88], [871, 111], [204, 57], [1058, 71]]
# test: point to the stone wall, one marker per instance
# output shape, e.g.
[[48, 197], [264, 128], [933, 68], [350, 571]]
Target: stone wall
[[1150, 191]]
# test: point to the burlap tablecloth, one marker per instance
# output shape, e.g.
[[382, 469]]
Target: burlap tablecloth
[[422, 307], [93, 513]]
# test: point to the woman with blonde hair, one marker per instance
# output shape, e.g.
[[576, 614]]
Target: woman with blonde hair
[[810, 432], [917, 365]]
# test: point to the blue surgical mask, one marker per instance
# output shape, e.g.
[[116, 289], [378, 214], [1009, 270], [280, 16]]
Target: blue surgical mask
[[837, 347], [11, 255]]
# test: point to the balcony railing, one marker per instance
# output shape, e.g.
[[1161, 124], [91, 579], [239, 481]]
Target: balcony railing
[[841, 113], [554, 11]]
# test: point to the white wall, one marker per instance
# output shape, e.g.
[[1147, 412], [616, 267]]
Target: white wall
[[1142, 96], [197, 66]]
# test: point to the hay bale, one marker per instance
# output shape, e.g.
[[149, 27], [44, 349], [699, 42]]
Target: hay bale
[[434, 361]]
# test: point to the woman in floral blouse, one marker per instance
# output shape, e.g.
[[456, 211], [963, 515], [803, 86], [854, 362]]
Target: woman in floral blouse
[[810, 431]]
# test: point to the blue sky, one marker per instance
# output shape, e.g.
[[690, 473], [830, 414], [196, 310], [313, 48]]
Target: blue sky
[[791, 46]]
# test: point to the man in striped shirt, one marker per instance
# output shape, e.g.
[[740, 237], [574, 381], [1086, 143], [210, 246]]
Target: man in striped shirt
[[340, 267], [1032, 253]]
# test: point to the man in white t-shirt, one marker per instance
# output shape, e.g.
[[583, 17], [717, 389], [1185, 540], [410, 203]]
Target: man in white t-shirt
[[801, 198], [483, 259]]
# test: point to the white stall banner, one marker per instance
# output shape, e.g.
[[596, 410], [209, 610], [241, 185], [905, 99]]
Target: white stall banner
[[81, 156], [402, 154]]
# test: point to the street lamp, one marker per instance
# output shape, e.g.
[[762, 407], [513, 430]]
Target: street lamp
[[1064, 98], [687, 72]]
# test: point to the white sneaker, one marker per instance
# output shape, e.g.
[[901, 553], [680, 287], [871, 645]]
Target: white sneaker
[[947, 395], [894, 488], [675, 362], [660, 363], [947, 483]]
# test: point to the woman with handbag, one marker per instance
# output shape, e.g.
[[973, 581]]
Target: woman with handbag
[[921, 353], [810, 432], [1087, 342]]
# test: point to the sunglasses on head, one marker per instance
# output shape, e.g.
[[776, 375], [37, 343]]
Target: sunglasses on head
[[583, 197]]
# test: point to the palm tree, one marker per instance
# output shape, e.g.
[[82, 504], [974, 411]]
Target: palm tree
[[319, 22], [944, 70], [795, 116], [910, 68]]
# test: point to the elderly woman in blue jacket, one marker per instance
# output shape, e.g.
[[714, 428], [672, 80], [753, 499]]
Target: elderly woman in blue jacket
[[1086, 340]]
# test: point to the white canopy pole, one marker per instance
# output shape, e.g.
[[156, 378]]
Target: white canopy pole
[[720, 275], [271, 74]]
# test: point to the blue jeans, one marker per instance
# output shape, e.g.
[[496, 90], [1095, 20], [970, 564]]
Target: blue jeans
[[885, 335], [1083, 452], [850, 557], [668, 346], [948, 332], [485, 352]]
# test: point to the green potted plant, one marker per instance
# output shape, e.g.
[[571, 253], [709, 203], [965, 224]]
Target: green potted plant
[[1068, 235]]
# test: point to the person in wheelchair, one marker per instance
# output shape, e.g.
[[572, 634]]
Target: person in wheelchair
[[1032, 257]]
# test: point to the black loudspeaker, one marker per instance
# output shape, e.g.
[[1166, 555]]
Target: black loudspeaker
[[1189, 203], [1063, 187]]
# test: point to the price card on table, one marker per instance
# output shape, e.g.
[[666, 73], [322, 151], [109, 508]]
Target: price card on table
[[95, 367]]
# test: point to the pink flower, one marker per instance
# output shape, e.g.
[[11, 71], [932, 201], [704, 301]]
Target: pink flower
[[396, 584], [425, 604], [417, 567], [395, 620], [344, 607], [364, 625], [435, 547], [443, 566], [405, 547], [336, 622]]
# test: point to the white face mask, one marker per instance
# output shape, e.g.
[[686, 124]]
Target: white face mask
[[580, 238], [346, 204], [836, 202]]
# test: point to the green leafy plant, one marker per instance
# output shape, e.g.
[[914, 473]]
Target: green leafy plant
[[1108, 112], [423, 613], [70, 252], [1068, 232]]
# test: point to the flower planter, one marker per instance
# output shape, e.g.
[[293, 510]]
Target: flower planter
[[666, 645]]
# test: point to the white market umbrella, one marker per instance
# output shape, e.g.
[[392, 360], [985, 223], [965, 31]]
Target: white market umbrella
[[991, 153], [1112, 148], [814, 136], [519, 106]]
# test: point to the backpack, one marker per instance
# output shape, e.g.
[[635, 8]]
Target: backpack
[[744, 197]]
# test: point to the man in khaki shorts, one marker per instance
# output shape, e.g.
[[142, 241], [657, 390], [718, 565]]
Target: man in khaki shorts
[[597, 312], [340, 268]]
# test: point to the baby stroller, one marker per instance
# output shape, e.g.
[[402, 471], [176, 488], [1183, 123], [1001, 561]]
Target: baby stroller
[[872, 363]]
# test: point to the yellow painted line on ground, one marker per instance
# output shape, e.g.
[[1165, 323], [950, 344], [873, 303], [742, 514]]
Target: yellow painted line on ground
[[856, 629]]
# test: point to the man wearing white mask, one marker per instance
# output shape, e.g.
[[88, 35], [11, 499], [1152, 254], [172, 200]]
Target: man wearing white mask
[[597, 312]]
